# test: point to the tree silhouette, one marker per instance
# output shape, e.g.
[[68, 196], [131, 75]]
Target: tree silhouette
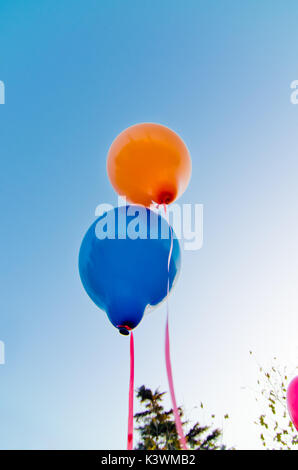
[[157, 428]]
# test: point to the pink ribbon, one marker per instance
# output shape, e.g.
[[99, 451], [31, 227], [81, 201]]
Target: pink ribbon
[[130, 397], [179, 429], [178, 423]]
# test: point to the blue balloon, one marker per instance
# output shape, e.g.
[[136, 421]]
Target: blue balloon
[[123, 263]]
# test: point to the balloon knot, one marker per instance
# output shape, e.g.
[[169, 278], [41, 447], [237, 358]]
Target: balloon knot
[[166, 197], [123, 329]]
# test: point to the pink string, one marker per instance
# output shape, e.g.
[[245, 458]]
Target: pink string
[[168, 357], [130, 397]]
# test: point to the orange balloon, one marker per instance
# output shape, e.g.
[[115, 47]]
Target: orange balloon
[[149, 163]]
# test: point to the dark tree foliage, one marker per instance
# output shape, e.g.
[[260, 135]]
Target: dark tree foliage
[[157, 428]]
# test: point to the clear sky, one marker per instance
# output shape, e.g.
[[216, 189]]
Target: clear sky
[[77, 73]]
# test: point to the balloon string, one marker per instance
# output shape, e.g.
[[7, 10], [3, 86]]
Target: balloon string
[[179, 429], [130, 397]]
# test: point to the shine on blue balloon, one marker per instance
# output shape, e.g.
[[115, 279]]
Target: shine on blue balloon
[[123, 263]]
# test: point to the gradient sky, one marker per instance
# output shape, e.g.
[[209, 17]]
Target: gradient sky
[[76, 74]]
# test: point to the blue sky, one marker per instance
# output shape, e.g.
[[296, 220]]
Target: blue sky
[[76, 74]]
